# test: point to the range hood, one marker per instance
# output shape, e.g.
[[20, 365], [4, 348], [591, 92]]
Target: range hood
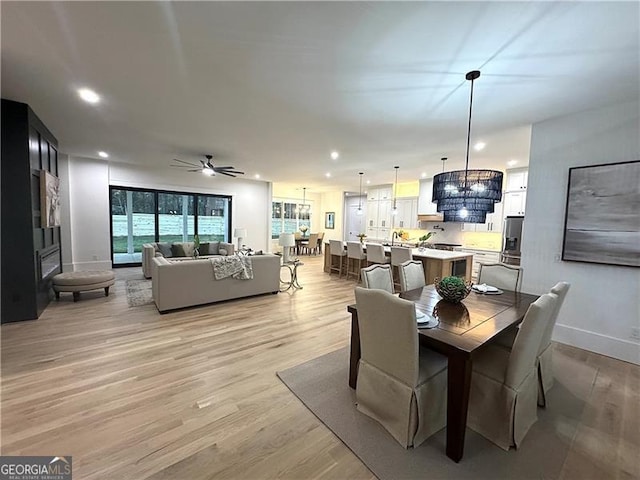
[[432, 217]]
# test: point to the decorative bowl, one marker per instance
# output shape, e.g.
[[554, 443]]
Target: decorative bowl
[[452, 289]]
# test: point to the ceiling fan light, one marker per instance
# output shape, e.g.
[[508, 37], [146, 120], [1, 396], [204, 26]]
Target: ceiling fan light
[[208, 171]]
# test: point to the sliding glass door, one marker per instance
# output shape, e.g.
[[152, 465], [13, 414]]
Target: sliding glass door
[[142, 216]]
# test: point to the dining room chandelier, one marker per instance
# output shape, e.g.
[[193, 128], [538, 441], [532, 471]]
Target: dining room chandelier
[[467, 195], [359, 210], [304, 207]]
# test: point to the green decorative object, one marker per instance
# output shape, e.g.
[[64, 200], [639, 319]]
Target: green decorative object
[[452, 289], [196, 246]]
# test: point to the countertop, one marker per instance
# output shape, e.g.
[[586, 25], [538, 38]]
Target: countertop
[[478, 249]]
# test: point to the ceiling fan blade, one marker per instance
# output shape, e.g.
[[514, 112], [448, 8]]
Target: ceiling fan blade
[[226, 168], [183, 166], [231, 171], [227, 174], [186, 163]]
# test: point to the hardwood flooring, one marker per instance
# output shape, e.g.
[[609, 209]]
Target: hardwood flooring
[[132, 394]]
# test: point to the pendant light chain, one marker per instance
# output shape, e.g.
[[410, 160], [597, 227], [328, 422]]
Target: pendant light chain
[[395, 193], [359, 211]]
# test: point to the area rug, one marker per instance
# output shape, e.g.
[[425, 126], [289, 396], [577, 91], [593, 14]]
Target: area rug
[[321, 384], [139, 293]]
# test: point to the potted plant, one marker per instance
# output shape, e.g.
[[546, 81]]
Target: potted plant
[[304, 229], [423, 239], [362, 236], [452, 289], [196, 246]]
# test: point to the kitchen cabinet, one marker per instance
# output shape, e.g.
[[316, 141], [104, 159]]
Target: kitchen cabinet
[[517, 180], [378, 219], [407, 216], [425, 205], [492, 224], [380, 193], [514, 203], [480, 256]]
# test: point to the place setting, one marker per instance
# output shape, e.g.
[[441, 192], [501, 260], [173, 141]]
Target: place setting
[[485, 289]]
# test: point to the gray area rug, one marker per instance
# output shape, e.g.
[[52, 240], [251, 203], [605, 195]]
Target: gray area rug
[[321, 384], [139, 293]]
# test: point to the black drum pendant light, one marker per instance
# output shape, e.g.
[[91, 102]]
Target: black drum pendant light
[[467, 195]]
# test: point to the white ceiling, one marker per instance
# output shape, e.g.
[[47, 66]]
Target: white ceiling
[[274, 87]]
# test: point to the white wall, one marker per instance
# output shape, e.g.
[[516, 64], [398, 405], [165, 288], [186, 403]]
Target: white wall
[[65, 209], [333, 202], [88, 182], [603, 304], [87, 215]]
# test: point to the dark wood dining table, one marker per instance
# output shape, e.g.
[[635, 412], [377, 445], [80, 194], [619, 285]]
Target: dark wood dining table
[[462, 331]]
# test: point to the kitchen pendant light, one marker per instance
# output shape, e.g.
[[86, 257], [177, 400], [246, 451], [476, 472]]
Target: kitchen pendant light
[[304, 207], [394, 210], [359, 210], [467, 195]]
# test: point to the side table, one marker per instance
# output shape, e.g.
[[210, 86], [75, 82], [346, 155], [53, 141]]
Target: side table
[[293, 270]]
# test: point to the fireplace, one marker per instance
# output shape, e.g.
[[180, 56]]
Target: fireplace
[[49, 262]]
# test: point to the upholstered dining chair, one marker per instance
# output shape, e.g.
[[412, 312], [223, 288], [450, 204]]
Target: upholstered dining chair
[[500, 275], [320, 241], [378, 276], [401, 386], [411, 275], [355, 258], [375, 254], [338, 257], [310, 245], [399, 255], [504, 383]]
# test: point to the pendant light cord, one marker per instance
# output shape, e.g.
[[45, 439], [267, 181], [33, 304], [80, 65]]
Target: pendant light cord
[[473, 75]]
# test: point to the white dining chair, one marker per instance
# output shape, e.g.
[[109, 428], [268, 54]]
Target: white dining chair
[[378, 276], [411, 275], [504, 383], [400, 385], [500, 275]]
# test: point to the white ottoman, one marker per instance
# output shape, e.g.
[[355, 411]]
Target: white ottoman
[[82, 281]]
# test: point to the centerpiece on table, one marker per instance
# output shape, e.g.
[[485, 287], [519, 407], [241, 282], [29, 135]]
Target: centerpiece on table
[[452, 289], [362, 236], [304, 229]]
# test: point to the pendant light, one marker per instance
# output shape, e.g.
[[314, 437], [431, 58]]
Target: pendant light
[[304, 207], [359, 210], [394, 210], [467, 195]]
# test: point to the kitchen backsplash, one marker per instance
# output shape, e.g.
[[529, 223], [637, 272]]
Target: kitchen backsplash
[[452, 234]]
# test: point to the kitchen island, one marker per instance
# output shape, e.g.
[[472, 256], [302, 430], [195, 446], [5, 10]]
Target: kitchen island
[[436, 263]]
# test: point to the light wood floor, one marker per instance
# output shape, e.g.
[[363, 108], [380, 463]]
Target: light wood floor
[[132, 394]]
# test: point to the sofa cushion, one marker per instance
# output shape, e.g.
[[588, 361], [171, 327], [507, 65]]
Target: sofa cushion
[[214, 248], [165, 249], [182, 249], [203, 249], [226, 248]]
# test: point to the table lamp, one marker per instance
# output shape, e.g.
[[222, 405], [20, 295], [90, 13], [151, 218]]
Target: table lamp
[[286, 241], [240, 233]]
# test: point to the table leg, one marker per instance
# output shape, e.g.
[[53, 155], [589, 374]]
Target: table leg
[[354, 355], [459, 385]]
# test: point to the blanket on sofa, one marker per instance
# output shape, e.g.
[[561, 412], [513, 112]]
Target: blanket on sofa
[[238, 267]]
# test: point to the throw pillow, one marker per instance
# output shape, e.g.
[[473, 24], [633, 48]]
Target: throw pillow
[[213, 248], [165, 249], [204, 248], [178, 250], [222, 251]]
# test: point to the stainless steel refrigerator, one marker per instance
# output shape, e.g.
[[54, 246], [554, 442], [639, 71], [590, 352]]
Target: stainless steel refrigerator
[[512, 240]]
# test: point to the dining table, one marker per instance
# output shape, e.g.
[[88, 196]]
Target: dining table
[[463, 329]]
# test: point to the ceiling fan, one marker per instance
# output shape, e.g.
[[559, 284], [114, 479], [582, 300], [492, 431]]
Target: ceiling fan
[[207, 167]]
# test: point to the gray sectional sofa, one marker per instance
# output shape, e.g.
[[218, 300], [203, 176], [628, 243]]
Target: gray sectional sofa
[[181, 251], [192, 282]]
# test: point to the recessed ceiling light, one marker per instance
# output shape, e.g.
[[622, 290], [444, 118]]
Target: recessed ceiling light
[[257, 175], [511, 163], [328, 175], [368, 182], [335, 155], [424, 175], [88, 95], [347, 194], [479, 146], [103, 154]]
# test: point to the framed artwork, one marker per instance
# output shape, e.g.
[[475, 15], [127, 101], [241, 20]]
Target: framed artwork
[[602, 223], [49, 200], [329, 220]]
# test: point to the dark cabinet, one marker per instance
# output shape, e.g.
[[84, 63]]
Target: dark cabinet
[[28, 150]]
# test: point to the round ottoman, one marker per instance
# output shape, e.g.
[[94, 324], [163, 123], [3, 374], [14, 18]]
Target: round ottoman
[[82, 281]]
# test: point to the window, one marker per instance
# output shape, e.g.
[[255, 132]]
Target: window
[[142, 216], [285, 218]]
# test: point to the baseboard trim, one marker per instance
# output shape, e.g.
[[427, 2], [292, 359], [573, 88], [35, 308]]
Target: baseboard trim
[[625, 350], [97, 265]]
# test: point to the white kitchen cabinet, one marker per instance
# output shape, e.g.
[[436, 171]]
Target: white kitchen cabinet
[[407, 216], [425, 205], [492, 224], [517, 180], [380, 193], [378, 222], [514, 203], [480, 256]]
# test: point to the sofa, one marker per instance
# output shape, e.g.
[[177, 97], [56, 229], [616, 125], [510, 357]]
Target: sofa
[[192, 282], [182, 251]]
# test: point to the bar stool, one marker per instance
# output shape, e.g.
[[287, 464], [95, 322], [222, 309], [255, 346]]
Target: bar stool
[[338, 256], [375, 254], [399, 255], [355, 256]]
